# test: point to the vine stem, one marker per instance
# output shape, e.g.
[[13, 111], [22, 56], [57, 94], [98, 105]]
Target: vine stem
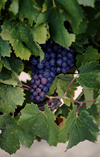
[[69, 85]]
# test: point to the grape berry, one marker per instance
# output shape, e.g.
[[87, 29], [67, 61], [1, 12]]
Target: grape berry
[[56, 60]]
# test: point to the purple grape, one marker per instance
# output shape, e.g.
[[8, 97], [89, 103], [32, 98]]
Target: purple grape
[[40, 76], [32, 97], [59, 62], [37, 82], [49, 49], [53, 69], [31, 90], [32, 81], [34, 86], [47, 55], [35, 94], [43, 61], [59, 55], [52, 62], [46, 74], [38, 90], [49, 84], [35, 77], [43, 80], [41, 94], [38, 98], [55, 47], [46, 63], [48, 70]]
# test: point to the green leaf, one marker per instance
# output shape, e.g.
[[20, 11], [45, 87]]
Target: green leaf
[[74, 12], [89, 3], [59, 34], [89, 75], [27, 10], [88, 96], [21, 38], [98, 104], [14, 63], [38, 123], [62, 84], [2, 4], [9, 140], [10, 97], [5, 49], [78, 128], [40, 33], [14, 7]]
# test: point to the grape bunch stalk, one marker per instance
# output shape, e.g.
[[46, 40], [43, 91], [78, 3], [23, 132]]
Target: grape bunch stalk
[[56, 60]]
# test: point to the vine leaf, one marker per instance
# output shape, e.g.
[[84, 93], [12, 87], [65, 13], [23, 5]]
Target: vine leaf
[[59, 34], [22, 41], [62, 84], [89, 75], [88, 96], [2, 4], [89, 3], [14, 7], [10, 134], [27, 10], [10, 97], [5, 49], [78, 128], [38, 123]]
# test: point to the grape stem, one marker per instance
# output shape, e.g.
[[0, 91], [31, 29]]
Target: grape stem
[[69, 85], [23, 85]]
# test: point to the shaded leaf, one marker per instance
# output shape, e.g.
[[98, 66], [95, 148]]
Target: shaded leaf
[[86, 2], [78, 128], [14, 7], [10, 97]]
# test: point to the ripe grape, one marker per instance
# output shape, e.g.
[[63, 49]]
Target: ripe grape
[[43, 80]]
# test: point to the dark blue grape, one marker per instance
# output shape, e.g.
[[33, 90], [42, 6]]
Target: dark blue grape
[[46, 89], [40, 65], [31, 90], [35, 77], [49, 50], [59, 50], [43, 80], [58, 70], [41, 71], [52, 55], [34, 86], [59, 55], [64, 64], [42, 94], [32, 97], [53, 69], [59, 62], [55, 47], [43, 61], [64, 53], [34, 61], [69, 61], [64, 58], [48, 70], [47, 63], [49, 84], [41, 86], [32, 81], [69, 55], [37, 82], [52, 74], [52, 62], [64, 70], [49, 79], [71, 51], [46, 74], [35, 93], [47, 56]]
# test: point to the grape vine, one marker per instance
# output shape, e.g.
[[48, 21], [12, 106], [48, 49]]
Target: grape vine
[[51, 41]]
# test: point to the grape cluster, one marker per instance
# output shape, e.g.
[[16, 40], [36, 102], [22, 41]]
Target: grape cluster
[[56, 60]]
